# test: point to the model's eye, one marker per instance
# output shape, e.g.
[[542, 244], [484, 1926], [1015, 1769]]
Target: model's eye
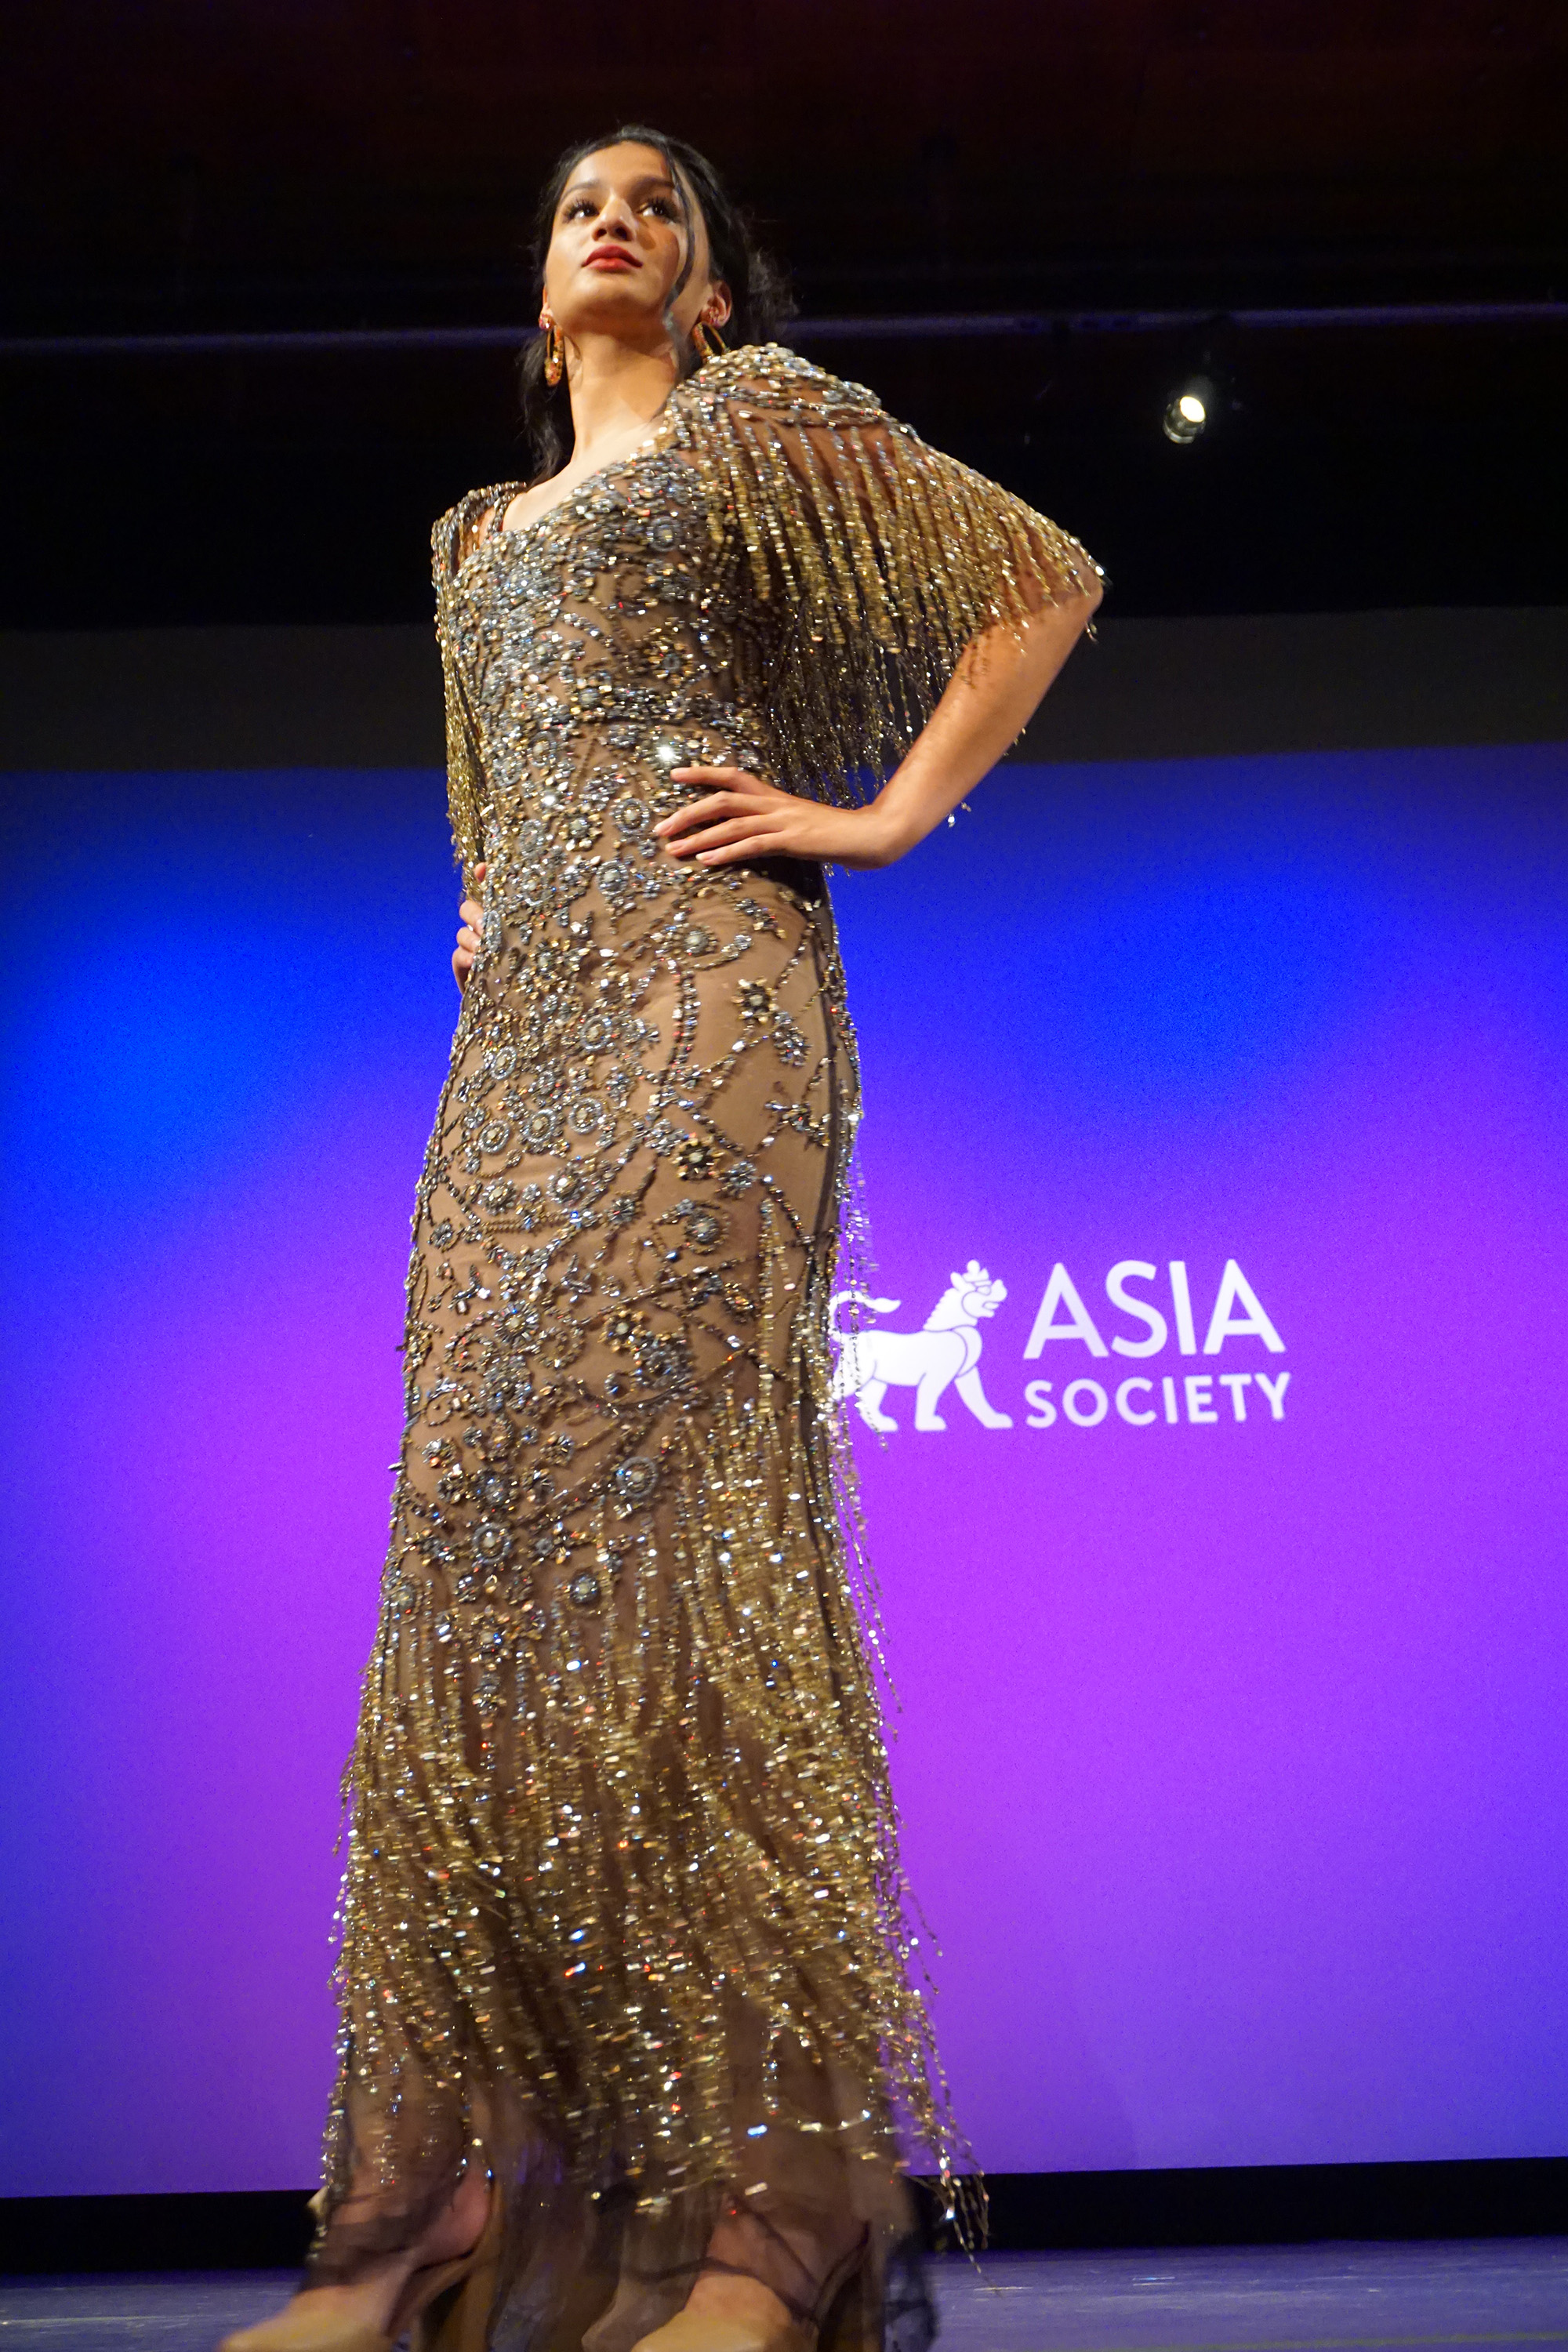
[[663, 207], [576, 208]]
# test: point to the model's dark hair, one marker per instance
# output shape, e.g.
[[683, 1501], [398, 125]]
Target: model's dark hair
[[758, 291]]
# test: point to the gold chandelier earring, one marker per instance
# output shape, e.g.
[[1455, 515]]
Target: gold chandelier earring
[[710, 343], [554, 348]]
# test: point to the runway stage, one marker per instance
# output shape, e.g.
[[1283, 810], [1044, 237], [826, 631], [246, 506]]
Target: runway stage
[[1322, 2298]]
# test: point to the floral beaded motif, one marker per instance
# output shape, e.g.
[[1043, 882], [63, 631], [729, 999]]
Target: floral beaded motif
[[619, 1801]]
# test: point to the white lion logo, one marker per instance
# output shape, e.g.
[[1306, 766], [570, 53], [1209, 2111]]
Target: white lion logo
[[947, 1350]]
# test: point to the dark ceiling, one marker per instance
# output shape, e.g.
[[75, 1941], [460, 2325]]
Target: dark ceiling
[[179, 168]]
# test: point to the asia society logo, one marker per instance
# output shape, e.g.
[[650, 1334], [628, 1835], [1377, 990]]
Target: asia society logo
[[1167, 1314]]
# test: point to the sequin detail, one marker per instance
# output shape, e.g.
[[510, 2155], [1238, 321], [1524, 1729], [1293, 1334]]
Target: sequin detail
[[623, 1850]]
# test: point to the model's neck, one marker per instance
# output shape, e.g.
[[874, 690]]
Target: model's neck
[[617, 388]]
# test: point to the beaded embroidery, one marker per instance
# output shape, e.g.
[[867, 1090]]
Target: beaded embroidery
[[620, 1765]]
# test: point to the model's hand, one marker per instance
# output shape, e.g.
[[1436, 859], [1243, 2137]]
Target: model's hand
[[473, 923], [743, 817]]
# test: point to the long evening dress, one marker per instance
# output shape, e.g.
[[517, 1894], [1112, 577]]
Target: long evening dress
[[623, 1915]]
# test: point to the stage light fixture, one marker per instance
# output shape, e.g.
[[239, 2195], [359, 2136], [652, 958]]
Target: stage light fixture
[[1189, 410]]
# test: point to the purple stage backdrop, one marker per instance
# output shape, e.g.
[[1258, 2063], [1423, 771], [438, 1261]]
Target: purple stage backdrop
[[1217, 1151]]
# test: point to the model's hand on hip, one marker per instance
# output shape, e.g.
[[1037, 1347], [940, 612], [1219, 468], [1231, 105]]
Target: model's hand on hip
[[472, 917], [743, 817]]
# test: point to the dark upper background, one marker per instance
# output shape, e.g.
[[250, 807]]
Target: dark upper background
[[178, 166]]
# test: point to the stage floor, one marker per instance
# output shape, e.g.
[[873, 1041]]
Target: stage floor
[[1326, 2298]]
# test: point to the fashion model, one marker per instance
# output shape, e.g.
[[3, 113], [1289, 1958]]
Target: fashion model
[[630, 2044]]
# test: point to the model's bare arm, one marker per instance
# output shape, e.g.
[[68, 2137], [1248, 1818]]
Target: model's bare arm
[[992, 694]]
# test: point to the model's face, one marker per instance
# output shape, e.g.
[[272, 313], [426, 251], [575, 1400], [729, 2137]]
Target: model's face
[[623, 227]]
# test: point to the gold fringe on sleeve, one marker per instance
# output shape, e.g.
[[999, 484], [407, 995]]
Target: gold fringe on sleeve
[[883, 558]]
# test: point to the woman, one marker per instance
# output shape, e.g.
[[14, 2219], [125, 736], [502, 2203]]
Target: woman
[[628, 2034]]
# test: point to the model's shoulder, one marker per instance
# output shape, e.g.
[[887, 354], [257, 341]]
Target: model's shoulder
[[464, 509], [455, 533], [771, 378]]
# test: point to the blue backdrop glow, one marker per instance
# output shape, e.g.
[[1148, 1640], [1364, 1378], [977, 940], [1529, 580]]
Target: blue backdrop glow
[[1234, 1755]]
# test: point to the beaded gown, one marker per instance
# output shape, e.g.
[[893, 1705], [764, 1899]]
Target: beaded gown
[[623, 1914]]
